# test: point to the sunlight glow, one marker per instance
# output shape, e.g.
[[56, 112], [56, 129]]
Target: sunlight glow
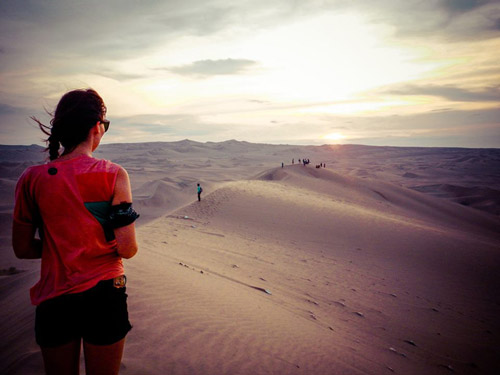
[[334, 137]]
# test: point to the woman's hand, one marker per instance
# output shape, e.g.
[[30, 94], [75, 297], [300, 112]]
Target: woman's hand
[[25, 245]]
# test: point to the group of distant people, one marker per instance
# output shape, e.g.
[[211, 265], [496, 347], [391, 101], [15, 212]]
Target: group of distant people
[[305, 162]]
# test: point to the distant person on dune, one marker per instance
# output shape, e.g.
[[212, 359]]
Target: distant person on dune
[[199, 190], [81, 208]]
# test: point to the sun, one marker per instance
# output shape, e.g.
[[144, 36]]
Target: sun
[[334, 137]]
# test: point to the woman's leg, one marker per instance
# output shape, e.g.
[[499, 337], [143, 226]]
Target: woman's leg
[[103, 359], [62, 360]]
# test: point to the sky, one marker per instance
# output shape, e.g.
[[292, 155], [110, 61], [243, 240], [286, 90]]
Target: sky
[[385, 72]]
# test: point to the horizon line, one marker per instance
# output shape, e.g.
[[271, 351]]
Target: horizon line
[[269, 144]]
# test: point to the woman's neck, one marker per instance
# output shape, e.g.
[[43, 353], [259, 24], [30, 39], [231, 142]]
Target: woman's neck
[[83, 148]]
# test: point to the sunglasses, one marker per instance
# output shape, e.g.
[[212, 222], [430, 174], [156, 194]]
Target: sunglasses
[[106, 124]]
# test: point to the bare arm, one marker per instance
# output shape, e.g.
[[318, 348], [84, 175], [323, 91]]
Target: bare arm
[[25, 245], [125, 236]]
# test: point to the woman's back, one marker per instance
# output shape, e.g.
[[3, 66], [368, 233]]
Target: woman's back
[[72, 198]]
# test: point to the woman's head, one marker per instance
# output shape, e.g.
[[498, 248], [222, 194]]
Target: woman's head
[[77, 112]]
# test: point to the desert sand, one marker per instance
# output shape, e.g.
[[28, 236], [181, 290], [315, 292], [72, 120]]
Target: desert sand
[[386, 261]]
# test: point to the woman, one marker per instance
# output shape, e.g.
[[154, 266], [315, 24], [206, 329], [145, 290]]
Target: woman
[[75, 213]]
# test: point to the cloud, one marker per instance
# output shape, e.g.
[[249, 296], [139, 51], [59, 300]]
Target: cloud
[[90, 34], [6, 109], [95, 31], [118, 29], [450, 20], [462, 6], [453, 93], [259, 101], [206, 68], [117, 75]]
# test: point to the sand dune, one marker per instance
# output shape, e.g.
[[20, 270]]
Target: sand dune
[[296, 270], [354, 282]]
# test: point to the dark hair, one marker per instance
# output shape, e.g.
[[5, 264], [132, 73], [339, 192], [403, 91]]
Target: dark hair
[[76, 113]]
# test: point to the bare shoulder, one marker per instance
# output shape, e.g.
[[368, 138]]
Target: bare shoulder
[[122, 172], [123, 191]]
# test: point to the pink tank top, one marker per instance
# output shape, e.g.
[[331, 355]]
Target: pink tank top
[[67, 200]]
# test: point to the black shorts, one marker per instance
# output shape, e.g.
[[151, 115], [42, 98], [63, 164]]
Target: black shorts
[[99, 316]]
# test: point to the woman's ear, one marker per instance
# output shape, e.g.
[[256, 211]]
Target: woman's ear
[[95, 134], [95, 128]]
